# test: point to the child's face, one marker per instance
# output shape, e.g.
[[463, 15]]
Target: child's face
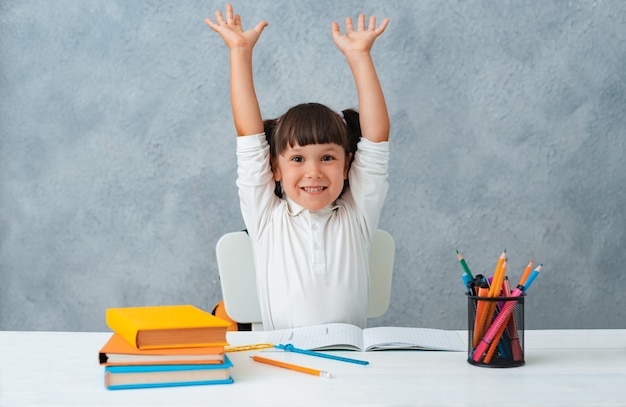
[[312, 175]]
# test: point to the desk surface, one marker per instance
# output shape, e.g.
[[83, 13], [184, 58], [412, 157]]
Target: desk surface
[[563, 368]]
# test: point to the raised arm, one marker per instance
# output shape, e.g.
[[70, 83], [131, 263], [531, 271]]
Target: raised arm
[[245, 105], [356, 46]]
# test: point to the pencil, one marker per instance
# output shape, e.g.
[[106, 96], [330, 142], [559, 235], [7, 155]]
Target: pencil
[[498, 276], [480, 311], [255, 346], [493, 293], [529, 268], [494, 290], [464, 264], [290, 348], [289, 366]]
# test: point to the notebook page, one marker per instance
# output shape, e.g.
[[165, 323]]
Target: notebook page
[[326, 336], [379, 338]]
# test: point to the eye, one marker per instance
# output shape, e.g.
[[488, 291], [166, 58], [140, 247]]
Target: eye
[[328, 158], [297, 158]]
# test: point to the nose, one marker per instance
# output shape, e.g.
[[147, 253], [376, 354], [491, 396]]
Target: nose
[[313, 170]]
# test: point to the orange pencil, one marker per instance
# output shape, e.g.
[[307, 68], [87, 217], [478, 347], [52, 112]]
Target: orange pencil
[[494, 291], [483, 290], [529, 268], [289, 366], [498, 276]]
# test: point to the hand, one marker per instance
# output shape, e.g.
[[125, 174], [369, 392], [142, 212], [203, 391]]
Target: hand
[[360, 40], [232, 32]]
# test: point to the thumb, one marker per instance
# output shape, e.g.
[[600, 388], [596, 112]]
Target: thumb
[[260, 27], [210, 23]]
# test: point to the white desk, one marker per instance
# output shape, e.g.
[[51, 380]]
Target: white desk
[[563, 368]]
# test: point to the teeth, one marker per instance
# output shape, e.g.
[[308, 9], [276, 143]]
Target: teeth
[[318, 189]]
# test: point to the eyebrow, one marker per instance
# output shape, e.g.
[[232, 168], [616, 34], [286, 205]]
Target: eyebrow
[[338, 148]]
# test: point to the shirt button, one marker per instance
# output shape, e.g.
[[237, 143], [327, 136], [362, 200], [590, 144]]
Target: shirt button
[[316, 246], [314, 227]]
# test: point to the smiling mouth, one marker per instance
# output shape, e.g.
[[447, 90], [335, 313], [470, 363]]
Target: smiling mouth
[[313, 189]]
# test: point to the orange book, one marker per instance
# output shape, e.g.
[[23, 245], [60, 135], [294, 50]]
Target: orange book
[[167, 326], [118, 352]]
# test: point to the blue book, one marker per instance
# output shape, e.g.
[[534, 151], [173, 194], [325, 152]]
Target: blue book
[[133, 377]]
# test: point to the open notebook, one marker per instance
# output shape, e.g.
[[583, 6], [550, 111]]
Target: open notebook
[[339, 336]]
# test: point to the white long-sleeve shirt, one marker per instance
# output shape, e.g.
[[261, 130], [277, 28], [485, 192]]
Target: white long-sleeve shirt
[[311, 266]]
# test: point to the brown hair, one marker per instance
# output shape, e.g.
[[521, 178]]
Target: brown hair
[[309, 123]]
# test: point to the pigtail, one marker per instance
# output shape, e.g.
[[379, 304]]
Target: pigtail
[[268, 127], [351, 117], [353, 125]]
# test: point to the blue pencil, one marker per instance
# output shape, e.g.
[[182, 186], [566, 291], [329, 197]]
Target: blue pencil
[[291, 348]]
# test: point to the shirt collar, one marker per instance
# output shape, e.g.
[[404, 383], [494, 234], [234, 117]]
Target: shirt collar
[[294, 209]]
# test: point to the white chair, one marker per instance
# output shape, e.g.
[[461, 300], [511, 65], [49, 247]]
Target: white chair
[[238, 278]]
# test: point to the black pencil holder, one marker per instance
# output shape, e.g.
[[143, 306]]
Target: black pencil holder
[[495, 331]]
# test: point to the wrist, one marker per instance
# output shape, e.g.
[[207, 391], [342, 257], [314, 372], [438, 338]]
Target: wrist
[[240, 50], [358, 56], [358, 62]]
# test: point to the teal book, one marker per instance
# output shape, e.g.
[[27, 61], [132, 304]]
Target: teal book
[[142, 376]]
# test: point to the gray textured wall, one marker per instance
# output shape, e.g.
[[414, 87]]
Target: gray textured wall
[[117, 163]]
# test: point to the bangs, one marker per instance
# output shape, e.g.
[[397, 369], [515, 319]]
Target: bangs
[[310, 123]]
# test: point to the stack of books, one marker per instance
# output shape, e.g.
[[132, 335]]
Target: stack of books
[[163, 346]]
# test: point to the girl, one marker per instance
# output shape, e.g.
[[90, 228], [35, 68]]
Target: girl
[[310, 197]]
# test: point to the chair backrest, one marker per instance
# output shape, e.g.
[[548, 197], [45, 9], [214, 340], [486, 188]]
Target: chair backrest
[[238, 278]]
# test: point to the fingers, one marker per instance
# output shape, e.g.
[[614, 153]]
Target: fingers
[[219, 18], [229, 14], [349, 27], [231, 30], [382, 27], [361, 22], [371, 26], [231, 17]]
